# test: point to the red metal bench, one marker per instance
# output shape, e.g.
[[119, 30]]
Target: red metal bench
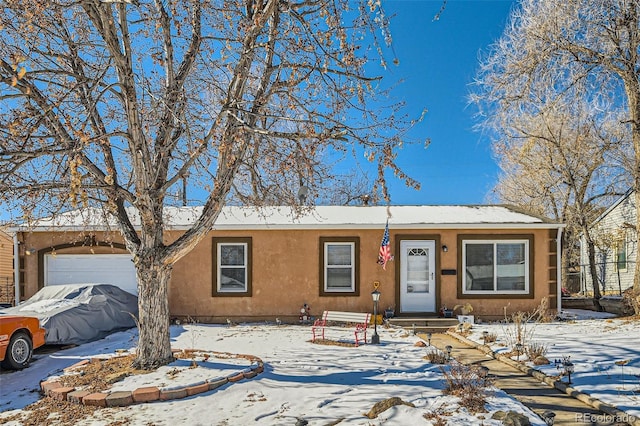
[[359, 319]]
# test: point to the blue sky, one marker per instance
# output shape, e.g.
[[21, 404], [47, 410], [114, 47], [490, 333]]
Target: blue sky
[[438, 61]]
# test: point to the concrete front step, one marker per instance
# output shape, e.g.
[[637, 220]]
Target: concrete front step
[[424, 324], [424, 321]]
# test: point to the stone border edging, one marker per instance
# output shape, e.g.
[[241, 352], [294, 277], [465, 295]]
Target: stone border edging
[[557, 384], [54, 389]]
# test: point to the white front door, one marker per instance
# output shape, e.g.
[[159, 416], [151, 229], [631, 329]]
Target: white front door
[[417, 276]]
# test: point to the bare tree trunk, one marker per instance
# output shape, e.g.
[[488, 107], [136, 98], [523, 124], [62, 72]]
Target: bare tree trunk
[[591, 250], [632, 88], [154, 347], [636, 275]]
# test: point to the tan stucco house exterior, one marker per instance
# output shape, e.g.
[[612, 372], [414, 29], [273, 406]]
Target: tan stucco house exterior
[[267, 263]]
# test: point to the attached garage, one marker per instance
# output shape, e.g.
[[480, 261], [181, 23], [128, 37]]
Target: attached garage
[[116, 269]]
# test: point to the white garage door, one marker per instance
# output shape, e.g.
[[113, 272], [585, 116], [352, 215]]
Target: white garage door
[[116, 269]]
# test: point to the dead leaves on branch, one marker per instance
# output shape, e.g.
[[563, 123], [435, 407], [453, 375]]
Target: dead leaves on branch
[[20, 71]]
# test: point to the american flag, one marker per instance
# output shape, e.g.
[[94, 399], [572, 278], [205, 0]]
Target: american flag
[[385, 250]]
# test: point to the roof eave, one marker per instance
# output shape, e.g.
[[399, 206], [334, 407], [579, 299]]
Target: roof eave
[[250, 227]]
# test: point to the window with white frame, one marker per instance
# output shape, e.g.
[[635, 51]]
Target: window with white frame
[[339, 265], [232, 258], [495, 266]]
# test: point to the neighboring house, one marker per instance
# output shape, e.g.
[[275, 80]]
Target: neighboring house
[[616, 240], [268, 263], [6, 268]]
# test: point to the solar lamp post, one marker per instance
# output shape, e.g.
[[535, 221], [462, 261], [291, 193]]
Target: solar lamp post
[[375, 295], [569, 368], [549, 417], [519, 348], [448, 348]]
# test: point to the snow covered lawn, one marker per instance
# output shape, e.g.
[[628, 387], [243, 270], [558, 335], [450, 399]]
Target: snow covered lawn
[[332, 384], [605, 352]]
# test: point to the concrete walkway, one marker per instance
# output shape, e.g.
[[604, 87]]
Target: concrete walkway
[[532, 392]]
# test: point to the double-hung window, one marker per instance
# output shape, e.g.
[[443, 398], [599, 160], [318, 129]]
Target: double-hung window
[[496, 266], [232, 260], [621, 254], [339, 265]]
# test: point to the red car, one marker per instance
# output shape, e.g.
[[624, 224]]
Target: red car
[[19, 336]]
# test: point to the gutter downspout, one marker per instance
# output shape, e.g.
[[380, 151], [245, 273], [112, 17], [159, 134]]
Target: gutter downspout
[[16, 268], [559, 268]]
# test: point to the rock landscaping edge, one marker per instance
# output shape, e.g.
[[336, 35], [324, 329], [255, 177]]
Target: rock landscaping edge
[[55, 390]]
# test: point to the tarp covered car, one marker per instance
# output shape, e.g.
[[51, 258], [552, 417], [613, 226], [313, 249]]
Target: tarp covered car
[[79, 313]]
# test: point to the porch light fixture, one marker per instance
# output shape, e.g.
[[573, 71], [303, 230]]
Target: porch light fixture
[[445, 248], [549, 417], [30, 251], [375, 295]]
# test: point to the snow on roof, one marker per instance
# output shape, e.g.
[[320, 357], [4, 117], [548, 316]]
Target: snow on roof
[[335, 217]]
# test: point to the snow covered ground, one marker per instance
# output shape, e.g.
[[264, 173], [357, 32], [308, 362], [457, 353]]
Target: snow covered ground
[[605, 353], [324, 384]]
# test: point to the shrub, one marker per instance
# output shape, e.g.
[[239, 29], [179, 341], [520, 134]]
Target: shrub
[[436, 357], [437, 415], [489, 338], [535, 350], [542, 312], [435, 418], [469, 383], [518, 329], [465, 309]]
